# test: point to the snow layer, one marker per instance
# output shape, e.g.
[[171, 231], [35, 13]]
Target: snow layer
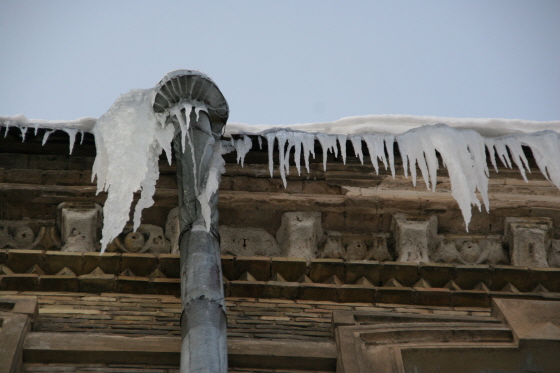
[[397, 124], [83, 124]]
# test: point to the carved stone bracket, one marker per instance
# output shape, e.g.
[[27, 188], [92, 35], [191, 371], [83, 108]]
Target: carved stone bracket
[[29, 235], [471, 249], [529, 240], [80, 226], [300, 234], [353, 246], [148, 238], [415, 237]]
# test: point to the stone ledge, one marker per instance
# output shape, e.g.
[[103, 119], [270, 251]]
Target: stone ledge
[[61, 271]]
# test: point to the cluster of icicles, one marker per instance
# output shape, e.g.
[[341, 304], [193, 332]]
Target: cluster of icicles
[[463, 153], [72, 132], [130, 137]]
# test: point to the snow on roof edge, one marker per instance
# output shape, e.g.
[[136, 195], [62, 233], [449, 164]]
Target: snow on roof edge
[[397, 124], [386, 123]]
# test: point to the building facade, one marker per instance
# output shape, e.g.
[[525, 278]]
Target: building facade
[[342, 270]]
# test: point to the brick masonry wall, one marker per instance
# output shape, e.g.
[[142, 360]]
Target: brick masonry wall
[[149, 315], [119, 368]]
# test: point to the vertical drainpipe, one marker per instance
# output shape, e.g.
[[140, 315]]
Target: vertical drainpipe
[[203, 320]]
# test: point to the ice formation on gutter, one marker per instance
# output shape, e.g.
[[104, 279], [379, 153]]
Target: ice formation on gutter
[[128, 143], [130, 138]]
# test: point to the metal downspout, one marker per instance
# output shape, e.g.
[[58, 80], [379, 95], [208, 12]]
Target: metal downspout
[[203, 320]]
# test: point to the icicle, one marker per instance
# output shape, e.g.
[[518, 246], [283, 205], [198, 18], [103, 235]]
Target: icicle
[[82, 134], [503, 154], [193, 157], [517, 154], [389, 143], [200, 106], [357, 145], [463, 153], [164, 137], [182, 120], [242, 147], [270, 137], [490, 146], [72, 134], [282, 137], [46, 136], [36, 126], [342, 143], [148, 184], [260, 142], [308, 142], [374, 142], [128, 138], [23, 130], [418, 153], [216, 169], [545, 146], [290, 140], [297, 139], [328, 142], [7, 124]]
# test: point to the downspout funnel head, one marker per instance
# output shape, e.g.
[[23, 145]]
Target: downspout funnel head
[[189, 86]]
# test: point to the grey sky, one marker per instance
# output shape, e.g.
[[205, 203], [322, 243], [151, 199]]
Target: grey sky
[[287, 62]]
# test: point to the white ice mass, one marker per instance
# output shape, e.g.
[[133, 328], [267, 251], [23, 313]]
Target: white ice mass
[[130, 138], [128, 142]]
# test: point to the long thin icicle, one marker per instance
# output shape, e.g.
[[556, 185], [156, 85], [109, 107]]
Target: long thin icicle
[[328, 142], [270, 138], [357, 145], [342, 143], [72, 135]]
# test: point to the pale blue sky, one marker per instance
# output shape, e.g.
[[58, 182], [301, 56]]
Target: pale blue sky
[[287, 62]]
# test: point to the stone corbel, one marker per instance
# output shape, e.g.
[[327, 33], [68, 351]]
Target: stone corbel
[[80, 226], [529, 240], [415, 237], [147, 238], [29, 235]]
